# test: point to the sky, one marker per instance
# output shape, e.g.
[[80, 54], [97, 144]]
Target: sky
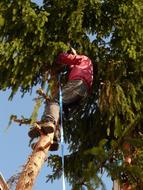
[[14, 141]]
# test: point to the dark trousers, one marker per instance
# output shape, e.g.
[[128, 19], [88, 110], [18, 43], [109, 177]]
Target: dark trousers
[[72, 93]]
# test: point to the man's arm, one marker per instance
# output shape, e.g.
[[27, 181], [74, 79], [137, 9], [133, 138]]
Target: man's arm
[[67, 59]]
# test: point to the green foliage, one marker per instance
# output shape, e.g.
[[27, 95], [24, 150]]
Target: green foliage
[[27, 51], [31, 38], [34, 114], [12, 117]]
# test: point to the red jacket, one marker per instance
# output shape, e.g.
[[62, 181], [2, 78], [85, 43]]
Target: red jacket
[[81, 67]]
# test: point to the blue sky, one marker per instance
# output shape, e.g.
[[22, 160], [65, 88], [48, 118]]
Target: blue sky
[[14, 141]]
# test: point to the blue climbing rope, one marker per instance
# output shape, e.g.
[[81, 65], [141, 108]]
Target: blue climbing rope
[[62, 132]]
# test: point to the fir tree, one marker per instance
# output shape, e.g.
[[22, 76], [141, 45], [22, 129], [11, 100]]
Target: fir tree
[[31, 38]]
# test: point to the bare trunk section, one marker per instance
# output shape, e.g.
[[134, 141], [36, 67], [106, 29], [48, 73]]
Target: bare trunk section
[[116, 185], [34, 163], [3, 183]]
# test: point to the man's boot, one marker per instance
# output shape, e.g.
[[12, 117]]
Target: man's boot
[[55, 145], [33, 133], [45, 128], [48, 127]]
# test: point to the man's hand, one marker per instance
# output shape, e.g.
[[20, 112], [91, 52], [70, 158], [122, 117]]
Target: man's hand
[[58, 68]]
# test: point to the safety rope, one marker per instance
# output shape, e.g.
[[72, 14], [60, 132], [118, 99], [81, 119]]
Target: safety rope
[[62, 132]]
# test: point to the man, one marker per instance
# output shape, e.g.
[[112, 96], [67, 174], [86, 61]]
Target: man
[[76, 89]]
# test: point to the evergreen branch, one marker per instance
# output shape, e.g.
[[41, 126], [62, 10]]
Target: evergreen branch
[[27, 122], [42, 93], [111, 152], [12, 117]]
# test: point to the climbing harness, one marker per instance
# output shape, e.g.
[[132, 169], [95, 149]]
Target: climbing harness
[[62, 132]]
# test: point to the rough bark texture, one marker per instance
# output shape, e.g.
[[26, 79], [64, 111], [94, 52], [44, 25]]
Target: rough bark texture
[[3, 183], [34, 163]]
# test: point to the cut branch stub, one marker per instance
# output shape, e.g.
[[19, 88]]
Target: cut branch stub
[[42, 93]]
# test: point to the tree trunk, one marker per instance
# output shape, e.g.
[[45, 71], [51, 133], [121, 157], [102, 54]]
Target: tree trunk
[[39, 155], [116, 185], [3, 183], [34, 163]]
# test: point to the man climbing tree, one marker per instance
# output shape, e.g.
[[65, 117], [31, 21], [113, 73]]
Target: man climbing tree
[[77, 88], [110, 33]]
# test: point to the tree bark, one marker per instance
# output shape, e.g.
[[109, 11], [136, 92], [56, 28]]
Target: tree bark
[[116, 185], [39, 155], [34, 163]]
